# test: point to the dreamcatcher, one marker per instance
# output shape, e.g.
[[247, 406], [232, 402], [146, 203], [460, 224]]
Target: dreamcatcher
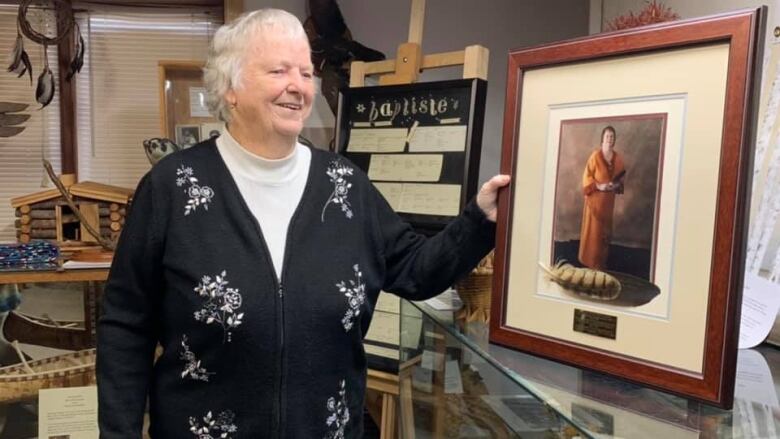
[[45, 22]]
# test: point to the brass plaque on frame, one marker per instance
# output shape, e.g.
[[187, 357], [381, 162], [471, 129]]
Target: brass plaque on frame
[[593, 323]]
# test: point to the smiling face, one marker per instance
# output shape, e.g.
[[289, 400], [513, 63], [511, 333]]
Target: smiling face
[[276, 91]]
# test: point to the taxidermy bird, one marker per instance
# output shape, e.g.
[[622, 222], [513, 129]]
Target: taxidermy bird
[[9, 121], [157, 148], [333, 49]]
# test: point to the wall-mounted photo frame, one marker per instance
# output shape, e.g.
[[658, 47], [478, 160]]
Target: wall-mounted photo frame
[[630, 157], [209, 130], [420, 144], [187, 135]]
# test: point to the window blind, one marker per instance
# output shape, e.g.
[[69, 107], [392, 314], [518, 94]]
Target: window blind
[[118, 94]]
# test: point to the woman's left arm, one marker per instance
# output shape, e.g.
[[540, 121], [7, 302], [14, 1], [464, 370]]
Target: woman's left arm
[[417, 267], [128, 326]]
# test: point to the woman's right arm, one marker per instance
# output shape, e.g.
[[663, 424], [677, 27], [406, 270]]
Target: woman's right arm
[[589, 183], [127, 329]]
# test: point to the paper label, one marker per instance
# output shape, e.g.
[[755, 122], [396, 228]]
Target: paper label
[[69, 412]]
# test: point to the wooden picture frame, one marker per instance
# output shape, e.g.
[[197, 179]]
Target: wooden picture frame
[[441, 121], [674, 324]]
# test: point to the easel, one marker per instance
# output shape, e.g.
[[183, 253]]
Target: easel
[[405, 68], [384, 388]]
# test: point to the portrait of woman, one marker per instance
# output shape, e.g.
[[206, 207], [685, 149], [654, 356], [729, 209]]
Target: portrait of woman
[[602, 181]]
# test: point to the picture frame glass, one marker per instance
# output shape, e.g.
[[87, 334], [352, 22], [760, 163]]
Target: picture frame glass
[[654, 220]]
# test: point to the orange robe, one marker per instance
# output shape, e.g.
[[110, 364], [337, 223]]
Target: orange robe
[[596, 231]]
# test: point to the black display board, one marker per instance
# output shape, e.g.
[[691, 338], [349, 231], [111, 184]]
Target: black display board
[[442, 126]]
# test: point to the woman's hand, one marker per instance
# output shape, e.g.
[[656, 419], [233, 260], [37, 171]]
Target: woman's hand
[[607, 187], [487, 198]]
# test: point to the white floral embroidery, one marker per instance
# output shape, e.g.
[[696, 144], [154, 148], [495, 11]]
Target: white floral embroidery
[[339, 415], [221, 303], [338, 172], [192, 367], [219, 427], [355, 292], [199, 195]]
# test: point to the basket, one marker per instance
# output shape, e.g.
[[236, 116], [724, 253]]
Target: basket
[[23, 381], [475, 291]]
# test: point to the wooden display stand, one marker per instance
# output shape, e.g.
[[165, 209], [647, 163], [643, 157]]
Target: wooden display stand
[[383, 389]]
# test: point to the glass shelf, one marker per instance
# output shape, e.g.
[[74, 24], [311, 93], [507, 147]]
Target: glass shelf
[[460, 385]]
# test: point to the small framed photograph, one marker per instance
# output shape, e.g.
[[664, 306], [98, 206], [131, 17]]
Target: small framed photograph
[[209, 130], [621, 241], [187, 135]]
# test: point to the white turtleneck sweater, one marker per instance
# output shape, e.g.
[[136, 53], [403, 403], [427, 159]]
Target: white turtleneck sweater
[[271, 188]]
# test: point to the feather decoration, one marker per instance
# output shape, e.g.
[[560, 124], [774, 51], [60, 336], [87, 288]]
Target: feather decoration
[[13, 119], [10, 131], [78, 59], [16, 55], [44, 93], [27, 66], [12, 107], [585, 281], [20, 61]]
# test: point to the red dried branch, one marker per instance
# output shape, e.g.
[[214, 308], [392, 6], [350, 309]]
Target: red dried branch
[[654, 12]]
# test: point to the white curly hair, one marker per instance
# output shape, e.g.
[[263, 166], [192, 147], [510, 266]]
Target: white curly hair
[[228, 48]]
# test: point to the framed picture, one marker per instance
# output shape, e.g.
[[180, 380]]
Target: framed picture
[[620, 242], [187, 135], [420, 144], [209, 130]]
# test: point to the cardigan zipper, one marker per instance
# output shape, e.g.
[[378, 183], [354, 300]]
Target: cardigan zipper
[[280, 400], [278, 282], [285, 264]]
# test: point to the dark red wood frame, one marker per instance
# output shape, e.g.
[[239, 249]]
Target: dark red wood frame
[[744, 31]]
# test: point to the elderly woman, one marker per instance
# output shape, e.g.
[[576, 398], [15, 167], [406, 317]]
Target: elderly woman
[[255, 262]]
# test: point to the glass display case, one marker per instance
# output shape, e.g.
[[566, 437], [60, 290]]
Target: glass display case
[[455, 384], [184, 115], [48, 320]]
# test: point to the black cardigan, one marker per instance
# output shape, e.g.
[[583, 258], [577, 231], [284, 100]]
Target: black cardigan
[[246, 355]]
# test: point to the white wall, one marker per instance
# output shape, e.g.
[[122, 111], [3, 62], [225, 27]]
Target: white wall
[[609, 9], [452, 25], [687, 9]]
